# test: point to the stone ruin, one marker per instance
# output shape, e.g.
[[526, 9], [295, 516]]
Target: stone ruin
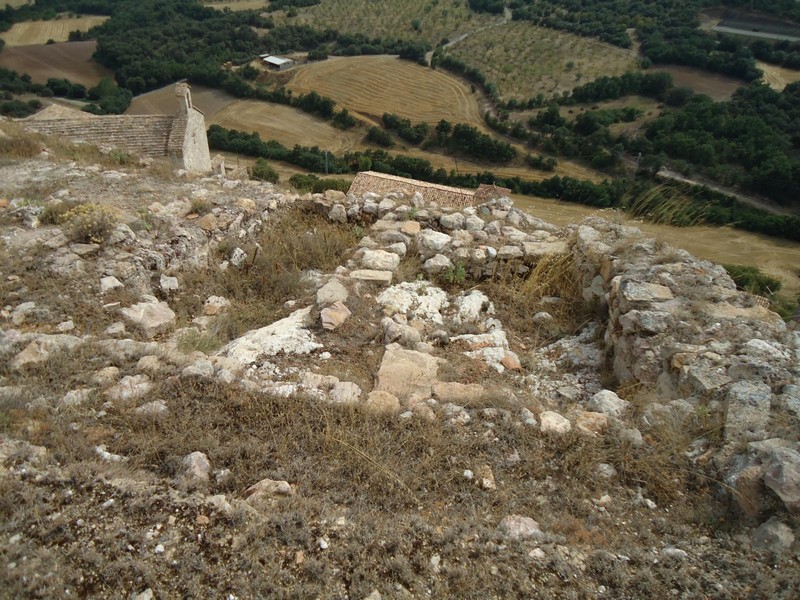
[[181, 137]]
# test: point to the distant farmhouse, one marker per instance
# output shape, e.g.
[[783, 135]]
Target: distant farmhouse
[[381, 183], [278, 63], [181, 137]]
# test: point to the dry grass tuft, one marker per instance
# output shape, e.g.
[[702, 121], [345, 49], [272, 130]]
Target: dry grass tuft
[[518, 298], [295, 242]]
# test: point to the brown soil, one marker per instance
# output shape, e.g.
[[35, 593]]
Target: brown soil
[[71, 60], [719, 87]]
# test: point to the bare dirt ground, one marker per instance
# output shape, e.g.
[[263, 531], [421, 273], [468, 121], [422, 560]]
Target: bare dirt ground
[[162, 101], [70, 60], [373, 85], [32, 33], [719, 87]]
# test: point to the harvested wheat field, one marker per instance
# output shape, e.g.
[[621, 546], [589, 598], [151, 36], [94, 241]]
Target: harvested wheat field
[[71, 60], [777, 77], [31, 33], [285, 124], [373, 85], [719, 87], [524, 60], [16, 3], [162, 101]]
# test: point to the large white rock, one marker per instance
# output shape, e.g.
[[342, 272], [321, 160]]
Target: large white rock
[[289, 335], [472, 307], [403, 372], [422, 298], [552, 422], [432, 242], [330, 293], [607, 403], [517, 527], [151, 316], [380, 260]]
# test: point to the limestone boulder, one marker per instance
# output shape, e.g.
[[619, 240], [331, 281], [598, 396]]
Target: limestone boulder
[[403, 372], [151, 317]]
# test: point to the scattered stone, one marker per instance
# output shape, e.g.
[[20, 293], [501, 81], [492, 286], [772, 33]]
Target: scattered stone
[[518, 527], [437, 264], [608, 403], [168, 284], [486, 478], [289, 335], [152, 409], [773, 536], [197, 467], [552, 422], [151, 317], [267, 489], [380, 401], [334, 315], [214, 305], [130, 387], [674, 553], [381, 277], [345, 392], [591, 423], [331, 293], [405, 371], [380, 260], [457, 393]]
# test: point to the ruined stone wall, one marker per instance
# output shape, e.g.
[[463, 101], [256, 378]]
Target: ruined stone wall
[[196, 155]]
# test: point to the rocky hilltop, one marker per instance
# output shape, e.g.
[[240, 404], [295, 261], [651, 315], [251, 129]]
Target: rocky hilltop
[[215, 387]]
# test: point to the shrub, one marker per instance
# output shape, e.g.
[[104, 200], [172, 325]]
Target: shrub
[[89, 223], [263, 172], [751, 279], [200, 206]]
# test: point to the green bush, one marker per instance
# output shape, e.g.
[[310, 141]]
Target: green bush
[[751, 279], [263, 172]]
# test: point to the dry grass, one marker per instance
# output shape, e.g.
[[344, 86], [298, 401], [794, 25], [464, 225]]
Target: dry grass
[[32, 33], [524, 60], [518, 298]]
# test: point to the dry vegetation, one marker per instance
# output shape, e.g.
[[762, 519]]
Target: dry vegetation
[[524, 60], [31, 33], [70, 60], [393, 18]]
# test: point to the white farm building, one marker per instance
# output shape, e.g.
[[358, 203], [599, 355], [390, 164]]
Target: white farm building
[[277, 62]]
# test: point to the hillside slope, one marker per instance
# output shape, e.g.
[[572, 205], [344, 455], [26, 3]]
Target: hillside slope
[[215, 387]]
